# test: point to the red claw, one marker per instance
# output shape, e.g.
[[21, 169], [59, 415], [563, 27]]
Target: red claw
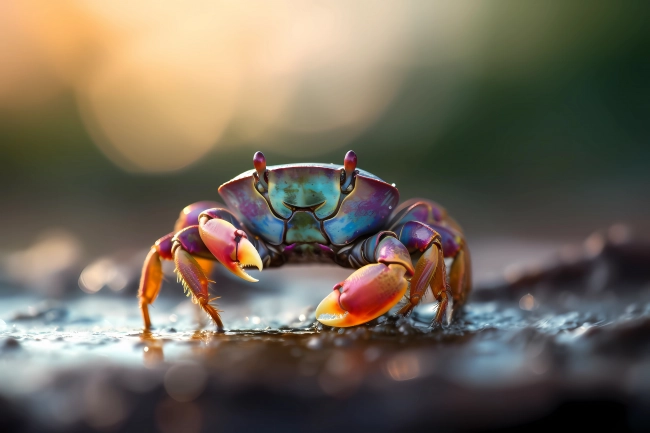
[[367, 294], [230, 246]]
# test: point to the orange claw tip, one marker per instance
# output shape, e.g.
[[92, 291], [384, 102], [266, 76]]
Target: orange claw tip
[[330, 313], [231, 247], [247, 256], [365, 295]]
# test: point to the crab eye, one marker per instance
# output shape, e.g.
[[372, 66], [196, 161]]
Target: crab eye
[[261, 176], [348, 172]]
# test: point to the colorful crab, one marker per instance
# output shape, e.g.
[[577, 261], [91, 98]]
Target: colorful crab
[[311, 212]]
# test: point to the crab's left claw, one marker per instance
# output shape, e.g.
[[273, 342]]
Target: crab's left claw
[[230, 246], [367, 294]]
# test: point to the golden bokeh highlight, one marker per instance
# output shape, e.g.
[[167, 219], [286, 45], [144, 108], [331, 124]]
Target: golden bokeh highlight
[[159, 85]]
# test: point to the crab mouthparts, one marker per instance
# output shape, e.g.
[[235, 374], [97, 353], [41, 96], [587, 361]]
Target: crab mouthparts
[[311, 208]]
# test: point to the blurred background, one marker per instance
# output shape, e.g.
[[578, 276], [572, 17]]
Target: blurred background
[[528, 121], [523, 119]]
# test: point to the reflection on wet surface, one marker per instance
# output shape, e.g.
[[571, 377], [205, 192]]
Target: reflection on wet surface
[[552, 337]]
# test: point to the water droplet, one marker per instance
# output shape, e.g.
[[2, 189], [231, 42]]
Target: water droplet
[[528, 302]]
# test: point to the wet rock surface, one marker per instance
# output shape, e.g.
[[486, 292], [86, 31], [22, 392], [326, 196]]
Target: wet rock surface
[[566, 343]]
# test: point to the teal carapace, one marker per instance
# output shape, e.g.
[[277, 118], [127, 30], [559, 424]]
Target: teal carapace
[[304, 203]]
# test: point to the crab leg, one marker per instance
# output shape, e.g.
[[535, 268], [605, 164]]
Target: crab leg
[[195, 282], [424, 211], [372, 290], [151, 278], [190, 241], [430, 271], [202, 233], [460, 274], [150, 282], [416, 220]]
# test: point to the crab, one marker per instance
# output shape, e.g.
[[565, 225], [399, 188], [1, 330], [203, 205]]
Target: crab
[[319, 212]]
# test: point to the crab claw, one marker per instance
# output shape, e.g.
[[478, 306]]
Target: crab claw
[[366, 294], [230, 246]]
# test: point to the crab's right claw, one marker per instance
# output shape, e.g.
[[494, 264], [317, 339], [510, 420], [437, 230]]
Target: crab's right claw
[[367, 294], [230, 246]]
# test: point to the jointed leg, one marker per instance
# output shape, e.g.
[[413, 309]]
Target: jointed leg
[[150, 282], [194, 281], [202, 232], [430, 214], [437, 242], [430, 272], [460, 275], [183, 248], [424, 211], [151, 278]]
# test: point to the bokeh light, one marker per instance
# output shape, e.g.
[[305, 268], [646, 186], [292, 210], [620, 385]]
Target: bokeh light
[[158, 86]]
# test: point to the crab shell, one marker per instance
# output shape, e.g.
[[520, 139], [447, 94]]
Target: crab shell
[[304, 204]]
